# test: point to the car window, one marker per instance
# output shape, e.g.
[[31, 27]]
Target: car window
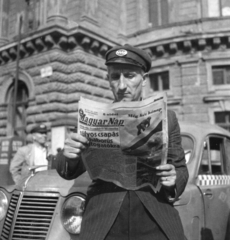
[[227, 156], [212, 157], [188, 146]]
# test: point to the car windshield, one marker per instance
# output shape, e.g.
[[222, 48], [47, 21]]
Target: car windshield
[[188, 146]]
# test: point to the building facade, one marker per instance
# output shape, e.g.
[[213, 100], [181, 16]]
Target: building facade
[[54, 50]]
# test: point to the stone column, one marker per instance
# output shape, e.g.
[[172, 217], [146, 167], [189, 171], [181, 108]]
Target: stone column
[[90, 12], [122, 22], [55, 12], [4, 6]]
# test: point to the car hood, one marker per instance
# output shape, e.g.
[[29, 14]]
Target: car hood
[[50, 181]]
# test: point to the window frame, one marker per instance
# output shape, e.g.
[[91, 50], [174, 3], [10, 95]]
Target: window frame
[[160, 81], [189, 151], [218, 7], [162, 6], [227, 165], [222, 69], [210, 64], [222, 156], [227, 124]]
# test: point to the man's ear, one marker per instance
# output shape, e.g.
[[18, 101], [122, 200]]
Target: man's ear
[[145, 78], [33, 136], [107, 78]]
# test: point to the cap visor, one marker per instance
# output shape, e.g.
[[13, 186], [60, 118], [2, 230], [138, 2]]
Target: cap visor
[[122, 61]]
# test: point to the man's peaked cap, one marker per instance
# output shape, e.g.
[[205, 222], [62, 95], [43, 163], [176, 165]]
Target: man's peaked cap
[[128, 54], [41, 128]]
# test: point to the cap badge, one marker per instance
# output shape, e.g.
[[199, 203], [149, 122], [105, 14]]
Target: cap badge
[[121, 52]]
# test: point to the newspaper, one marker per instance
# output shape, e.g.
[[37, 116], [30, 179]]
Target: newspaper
[[127, 140]]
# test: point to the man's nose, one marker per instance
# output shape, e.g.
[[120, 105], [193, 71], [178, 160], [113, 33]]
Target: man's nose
[[122, 82]]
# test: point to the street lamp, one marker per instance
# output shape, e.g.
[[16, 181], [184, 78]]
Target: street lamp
[[16, 77], [17, 70]]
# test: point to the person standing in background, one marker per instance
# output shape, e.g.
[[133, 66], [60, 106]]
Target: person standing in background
[[32, 154]]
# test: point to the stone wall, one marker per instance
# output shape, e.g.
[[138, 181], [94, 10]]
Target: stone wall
[[75, 74], [77, 62]]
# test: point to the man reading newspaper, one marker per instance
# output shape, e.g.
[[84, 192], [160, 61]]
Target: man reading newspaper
[[115, 212]]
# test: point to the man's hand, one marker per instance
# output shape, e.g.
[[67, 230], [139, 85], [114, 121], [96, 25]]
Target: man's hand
[[75, 144], [167, 174]]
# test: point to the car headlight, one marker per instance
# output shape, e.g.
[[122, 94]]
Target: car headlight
[[3, 205], [71, 214]]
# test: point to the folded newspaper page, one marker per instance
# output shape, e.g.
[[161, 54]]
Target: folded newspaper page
[[127, 140]]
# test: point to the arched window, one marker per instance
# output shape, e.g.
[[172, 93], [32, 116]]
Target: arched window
[[19, 113]]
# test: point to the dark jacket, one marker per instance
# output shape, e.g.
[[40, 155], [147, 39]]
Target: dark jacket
[[104, 199]]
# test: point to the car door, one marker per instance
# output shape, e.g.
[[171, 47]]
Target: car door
[[190, 204], [213, 181]]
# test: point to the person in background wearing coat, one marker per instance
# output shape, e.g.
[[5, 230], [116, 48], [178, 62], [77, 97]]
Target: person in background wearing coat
[[112, 212], [32, 154]]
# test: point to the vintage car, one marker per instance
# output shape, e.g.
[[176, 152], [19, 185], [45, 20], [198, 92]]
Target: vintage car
[[45, 206]]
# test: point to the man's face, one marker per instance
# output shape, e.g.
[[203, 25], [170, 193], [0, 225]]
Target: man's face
[[40, 138], [126, 82]]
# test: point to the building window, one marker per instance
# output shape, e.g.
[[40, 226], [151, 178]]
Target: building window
[[159, 81], [221, 75], [218, 8], [158, 12], [223, 119]]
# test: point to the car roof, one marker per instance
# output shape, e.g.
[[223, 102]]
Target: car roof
[[202, 128]]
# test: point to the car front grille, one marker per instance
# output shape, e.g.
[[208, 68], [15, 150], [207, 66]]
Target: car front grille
[[29, 216], [9, 217]]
